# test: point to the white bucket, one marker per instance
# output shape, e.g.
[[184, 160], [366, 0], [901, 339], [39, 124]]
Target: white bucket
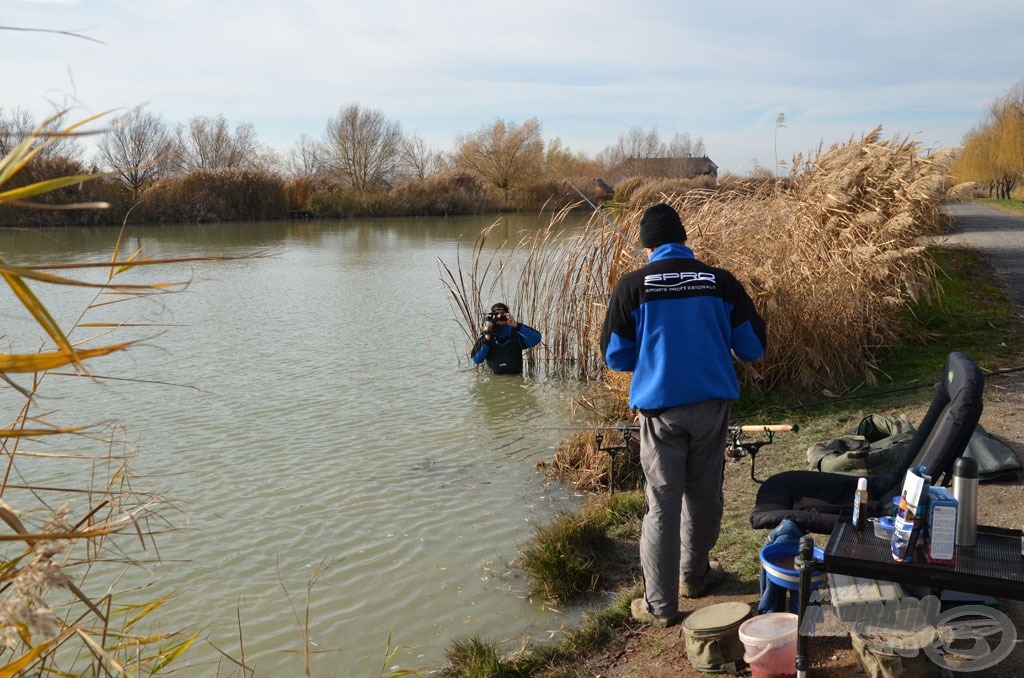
[[769, 641]]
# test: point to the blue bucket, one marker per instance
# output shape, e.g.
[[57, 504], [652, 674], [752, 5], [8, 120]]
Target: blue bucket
[[777, 563]]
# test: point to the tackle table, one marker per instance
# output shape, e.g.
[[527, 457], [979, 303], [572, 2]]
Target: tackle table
[[993, 566]]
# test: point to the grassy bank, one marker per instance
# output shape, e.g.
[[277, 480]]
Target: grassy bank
[[1015, 207], [970, 315]]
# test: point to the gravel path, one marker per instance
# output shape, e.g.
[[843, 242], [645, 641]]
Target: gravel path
[[999, 237]]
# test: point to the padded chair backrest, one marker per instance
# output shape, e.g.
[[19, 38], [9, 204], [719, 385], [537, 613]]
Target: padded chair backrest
[[946, 427]]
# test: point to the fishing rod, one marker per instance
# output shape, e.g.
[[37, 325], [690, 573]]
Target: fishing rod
[[750, 370], [607, 219], [735, 450]]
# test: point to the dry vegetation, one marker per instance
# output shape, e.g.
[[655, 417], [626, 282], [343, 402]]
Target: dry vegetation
[[74, 519], [830, 256]]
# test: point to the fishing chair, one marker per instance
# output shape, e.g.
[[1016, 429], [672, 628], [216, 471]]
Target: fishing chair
[[814, 500]]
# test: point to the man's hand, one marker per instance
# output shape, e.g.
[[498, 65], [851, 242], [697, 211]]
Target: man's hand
[[510, 320]]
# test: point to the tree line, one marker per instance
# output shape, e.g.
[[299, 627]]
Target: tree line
[[992, 153], [364, 164]]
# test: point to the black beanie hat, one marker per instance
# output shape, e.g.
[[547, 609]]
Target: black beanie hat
[[499, 307], [659, 225]]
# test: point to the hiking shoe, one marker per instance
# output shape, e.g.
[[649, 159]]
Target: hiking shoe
[[638, 609], [712, 578]]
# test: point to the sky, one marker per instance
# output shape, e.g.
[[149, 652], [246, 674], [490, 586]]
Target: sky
[[718, 71]]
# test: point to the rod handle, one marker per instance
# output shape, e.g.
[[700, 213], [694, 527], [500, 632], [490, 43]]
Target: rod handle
[[783, 428]]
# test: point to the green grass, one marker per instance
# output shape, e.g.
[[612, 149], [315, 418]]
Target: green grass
[[1012, 206], [566, 556], [971, 314], [562, 560]]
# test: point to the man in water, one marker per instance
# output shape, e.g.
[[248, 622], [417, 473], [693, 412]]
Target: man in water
[[503, 341], [674, 324]]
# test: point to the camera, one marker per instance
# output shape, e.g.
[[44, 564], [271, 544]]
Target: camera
[[496, 317]]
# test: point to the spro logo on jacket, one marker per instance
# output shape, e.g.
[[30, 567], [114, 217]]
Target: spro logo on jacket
[[676, 280]]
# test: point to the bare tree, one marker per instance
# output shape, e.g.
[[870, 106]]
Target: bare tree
[[208, 144], [503, 154], [18, 123], [137, 149], [635, 149], [679, 154], [304, 157], [362, 148], [419, 160], [682, 146]]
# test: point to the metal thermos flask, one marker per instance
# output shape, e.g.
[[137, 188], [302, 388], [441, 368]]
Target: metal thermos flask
[[965, 489]]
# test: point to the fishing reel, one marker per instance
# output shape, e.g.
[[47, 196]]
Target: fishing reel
[[736, 450]]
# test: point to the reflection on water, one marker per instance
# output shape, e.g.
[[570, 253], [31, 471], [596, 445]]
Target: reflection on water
[[318, 425]]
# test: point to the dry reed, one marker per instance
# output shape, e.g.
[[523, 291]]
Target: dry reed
[[830, 257], [70, 535]]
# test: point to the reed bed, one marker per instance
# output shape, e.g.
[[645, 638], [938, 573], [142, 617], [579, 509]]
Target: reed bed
[[830, 255]]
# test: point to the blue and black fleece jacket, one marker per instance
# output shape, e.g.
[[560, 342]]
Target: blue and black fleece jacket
[[673, 324]]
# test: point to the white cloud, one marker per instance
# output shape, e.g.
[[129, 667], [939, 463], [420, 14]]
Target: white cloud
[[588, 70]]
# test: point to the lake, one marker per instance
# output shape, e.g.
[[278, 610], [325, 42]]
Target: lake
[[310, 415]]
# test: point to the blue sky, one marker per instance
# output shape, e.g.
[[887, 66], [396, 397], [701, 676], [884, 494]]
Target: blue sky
[[589, 71]]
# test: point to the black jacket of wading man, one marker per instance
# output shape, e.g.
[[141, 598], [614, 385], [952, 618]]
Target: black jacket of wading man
[[504, 353]]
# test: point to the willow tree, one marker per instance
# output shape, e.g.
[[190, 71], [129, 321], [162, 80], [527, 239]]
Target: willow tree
[[503, 154], [993, 152]]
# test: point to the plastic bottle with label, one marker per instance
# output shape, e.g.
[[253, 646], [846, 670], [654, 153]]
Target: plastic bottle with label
[[860, 505]]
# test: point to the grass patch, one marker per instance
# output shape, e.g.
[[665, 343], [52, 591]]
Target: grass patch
[[571, 556], [562, 560], [1015, 207], [474, 658], [971, 314]]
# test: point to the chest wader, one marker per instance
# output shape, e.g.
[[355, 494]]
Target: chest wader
[[507, 357]]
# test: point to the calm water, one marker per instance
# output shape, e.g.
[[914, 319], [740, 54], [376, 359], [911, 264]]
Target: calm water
[[308, 411]]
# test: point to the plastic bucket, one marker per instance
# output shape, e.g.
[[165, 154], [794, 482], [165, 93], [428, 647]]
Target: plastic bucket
[[769, 641], [777, 560]]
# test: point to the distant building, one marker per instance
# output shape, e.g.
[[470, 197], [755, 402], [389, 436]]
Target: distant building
[[669, 168]]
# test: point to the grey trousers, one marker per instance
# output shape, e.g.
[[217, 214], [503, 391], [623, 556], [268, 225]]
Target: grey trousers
[[682, 452]]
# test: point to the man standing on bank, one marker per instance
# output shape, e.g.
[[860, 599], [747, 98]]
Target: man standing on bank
[[503, 341], [675, 324]]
